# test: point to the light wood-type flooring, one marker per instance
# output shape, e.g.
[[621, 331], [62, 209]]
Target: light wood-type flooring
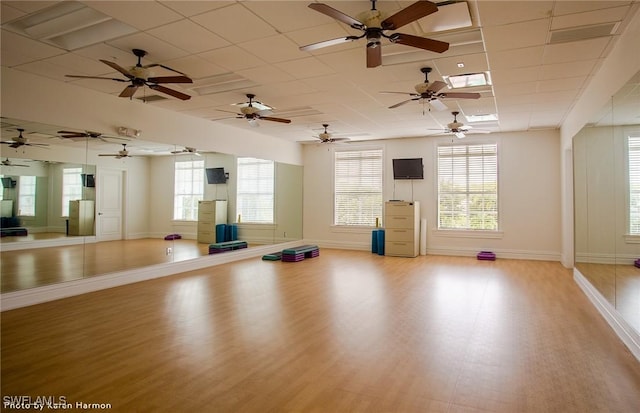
[[348, 331]]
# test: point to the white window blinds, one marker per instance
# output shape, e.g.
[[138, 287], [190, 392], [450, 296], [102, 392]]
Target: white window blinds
[[71, 187], [255, 197], [358, 187], [27, 196], [468, 187], [634, 184], [188, 189]]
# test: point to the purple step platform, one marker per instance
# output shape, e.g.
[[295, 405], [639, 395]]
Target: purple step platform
[[486, 256]]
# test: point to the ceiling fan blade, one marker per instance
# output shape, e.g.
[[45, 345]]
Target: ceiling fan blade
[[401, 103], [75, 136], [436, 86], [457, 95], [41, 145], [326, 43], [72, 134], [128, 91], [438, 105], [118, 68], [419, 42], [337, 14], [97, 77], [174, 93], [275, 119], [170, 79], [409, 14], [459, 135], [374, 56]]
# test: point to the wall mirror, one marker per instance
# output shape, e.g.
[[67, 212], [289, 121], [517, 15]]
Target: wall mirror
[[128, 205], [607, 202]]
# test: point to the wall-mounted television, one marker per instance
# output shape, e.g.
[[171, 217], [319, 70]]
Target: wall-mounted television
[[216, 176], [8, 182], [88, 180], [408, 168]]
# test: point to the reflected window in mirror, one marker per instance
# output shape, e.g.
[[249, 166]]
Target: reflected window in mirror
[[71, 187], [188, 189], [633, 162], [255, 196], [27, 196]]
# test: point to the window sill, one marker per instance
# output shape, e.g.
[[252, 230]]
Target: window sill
[[454, 233], [631, 238], [353, 229]]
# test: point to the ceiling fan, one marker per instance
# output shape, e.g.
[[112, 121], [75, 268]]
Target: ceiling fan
[[187, 149], [459, 129], [122, 153], [86, 134], [327, 137], [140, 76], [430, 92], [374, 28], [253, 111], [8, 162], [20, 140]]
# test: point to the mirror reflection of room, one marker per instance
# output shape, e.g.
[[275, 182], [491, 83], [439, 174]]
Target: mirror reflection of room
[[56, 219]]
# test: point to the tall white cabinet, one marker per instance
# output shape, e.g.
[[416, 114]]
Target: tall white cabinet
[[81, 217], [210, 214], [401, 228]]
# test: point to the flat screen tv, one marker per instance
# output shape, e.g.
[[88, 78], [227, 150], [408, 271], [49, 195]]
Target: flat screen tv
[[410, 168], [8, 182], [88, 180], [216, 176]]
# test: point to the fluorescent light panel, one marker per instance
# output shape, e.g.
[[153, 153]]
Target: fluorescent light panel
[[468, 80], [487, 117]]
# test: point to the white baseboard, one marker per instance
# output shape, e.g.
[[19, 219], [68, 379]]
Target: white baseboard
[[46, 243], [624, 331], [53, 292]]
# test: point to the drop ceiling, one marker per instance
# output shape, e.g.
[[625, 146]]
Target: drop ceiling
[[540, 56]]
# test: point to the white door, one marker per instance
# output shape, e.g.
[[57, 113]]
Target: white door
[[109, 204]]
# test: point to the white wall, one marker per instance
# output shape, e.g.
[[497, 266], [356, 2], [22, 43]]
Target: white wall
[[529, 168]]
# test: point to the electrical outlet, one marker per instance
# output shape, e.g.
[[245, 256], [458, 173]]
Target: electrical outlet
[[169, 250]]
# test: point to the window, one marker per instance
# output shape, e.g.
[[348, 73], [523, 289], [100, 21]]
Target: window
[[188, 189], [27, 196], [255, 196], [633, 147], [71, 187], [358, 187], [468, 187]]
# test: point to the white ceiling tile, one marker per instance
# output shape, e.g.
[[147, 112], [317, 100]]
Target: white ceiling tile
[[294, 15], [567, 83], [575, 51], [508, 59], [449, 65], [566, 7], [106, 86], [30, 6], [569, 69], [188, 36], [305, 68], [273, 49], [515, 75], [191, 8], [76, 64], [516, 36], [614, 14], [266, 74], [224, 22], [106, 52], [232, 58], [521, 88], [46, 69], [17, 49], [157, 50], [142, 15], [195, 67], [494, 13]]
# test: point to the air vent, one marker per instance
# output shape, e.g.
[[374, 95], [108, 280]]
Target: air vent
[[299, 111], [151, 98], [583, 33]]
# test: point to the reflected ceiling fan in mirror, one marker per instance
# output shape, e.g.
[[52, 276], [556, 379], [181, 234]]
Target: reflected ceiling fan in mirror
[[140, 76], [253, 111], [373, 25], [8, 162], [186, 150], [20, 140], [87, 134], [430, 93], [459, 129], [122, 153]]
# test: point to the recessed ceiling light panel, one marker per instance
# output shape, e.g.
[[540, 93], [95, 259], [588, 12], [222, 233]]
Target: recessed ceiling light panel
[[468, 80]]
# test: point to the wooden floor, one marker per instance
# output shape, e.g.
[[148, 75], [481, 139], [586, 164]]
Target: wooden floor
[[347, 331]]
